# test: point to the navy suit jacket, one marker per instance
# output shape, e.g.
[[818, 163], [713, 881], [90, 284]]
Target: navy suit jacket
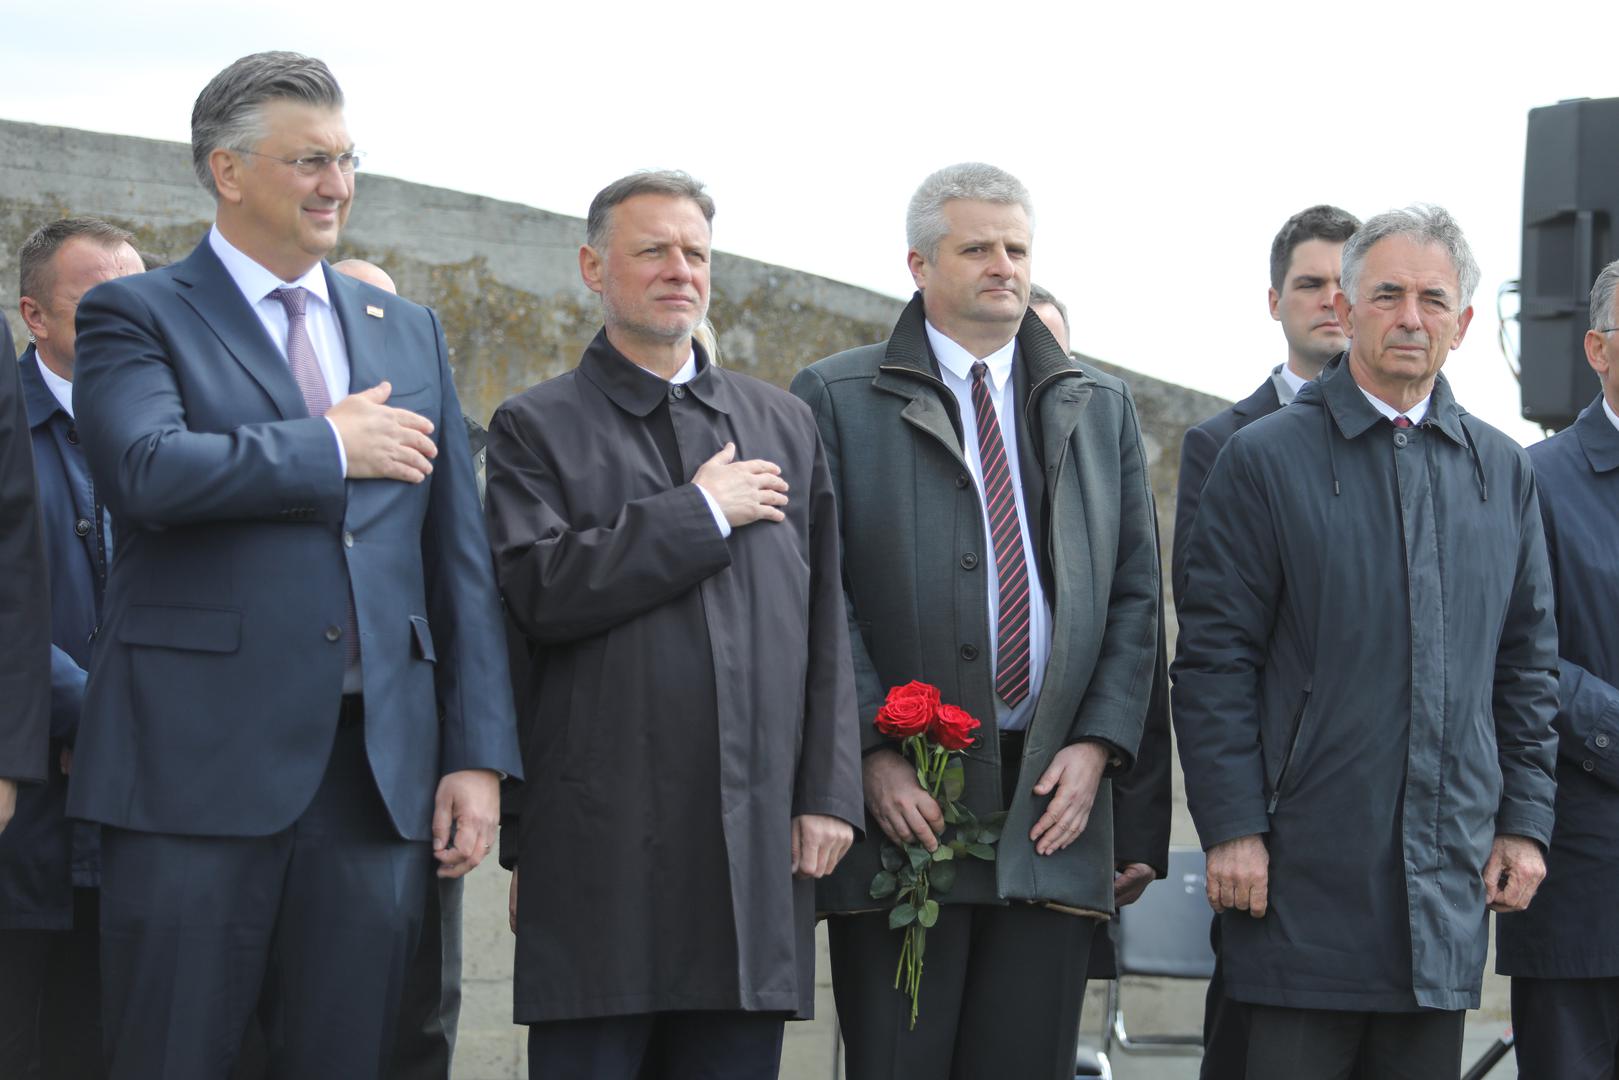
[[25, 641], [42, 854], [1198, 450], [213, 699]]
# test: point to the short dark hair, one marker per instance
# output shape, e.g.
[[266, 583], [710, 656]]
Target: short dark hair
[[36, 278], [1322, 222], [598, 222], [228, 113], [1040, 295]]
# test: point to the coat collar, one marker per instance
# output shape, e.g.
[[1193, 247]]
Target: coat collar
[[1261, 402], [41, 404], [636, 390], [908, 352], [1337, 389], [1598, 437]]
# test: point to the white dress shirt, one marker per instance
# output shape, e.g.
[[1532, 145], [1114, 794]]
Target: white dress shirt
[[61, 389], [325, 332], [1294, 382], [1612, 417], [955, 366], [1415, 413]]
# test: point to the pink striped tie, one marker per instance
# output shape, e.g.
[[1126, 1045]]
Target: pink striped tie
[[307, 374], [1006, 536]]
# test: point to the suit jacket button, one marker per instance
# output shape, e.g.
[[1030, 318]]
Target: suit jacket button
[[969, 561], [961, 480], [348, 538], [1601, 741], [1588, 765], [969, 652], [82, 527], [333, 633], [73, 435], [1400, 438]]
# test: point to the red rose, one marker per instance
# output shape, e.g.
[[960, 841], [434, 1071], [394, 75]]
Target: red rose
[[953, 728], [909, 710]]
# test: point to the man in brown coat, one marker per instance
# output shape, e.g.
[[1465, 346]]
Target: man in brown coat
[[665, 537]]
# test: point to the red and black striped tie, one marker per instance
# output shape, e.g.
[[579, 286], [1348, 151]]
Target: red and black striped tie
[[1006, 536]]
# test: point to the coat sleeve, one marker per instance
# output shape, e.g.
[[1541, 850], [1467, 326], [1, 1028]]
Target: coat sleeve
[[828, 779], [67, 695], [1233, 581], [1198, 451], [1587, 722], [25, 610], [154, 472], [562, 583], [1142, 797], [1526, 684], [1114, 706], [869, 692], [477, 728]]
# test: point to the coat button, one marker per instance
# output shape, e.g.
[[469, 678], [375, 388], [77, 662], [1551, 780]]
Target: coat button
[[82, 527], [1602, 741], [969, 561], [969, 652], [1588, 765], [73, 435], [333, 633], [676, 393], [348, 538], [1400, 439], [961, 480]]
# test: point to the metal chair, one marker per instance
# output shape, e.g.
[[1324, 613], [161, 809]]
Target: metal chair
[[1164, 935]]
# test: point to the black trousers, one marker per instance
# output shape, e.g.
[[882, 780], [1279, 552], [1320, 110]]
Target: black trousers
[[1566, 1028], [1323, 1044], [658, 1046], [1225, 1025], [50, 998], [318, 921], [1002, 989], [432, 1005]]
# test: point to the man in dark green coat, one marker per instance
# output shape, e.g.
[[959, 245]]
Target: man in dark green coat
[[1365, 685], [998, 543]]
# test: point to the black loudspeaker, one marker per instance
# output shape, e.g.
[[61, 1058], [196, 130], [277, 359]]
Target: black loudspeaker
[[1570, 214]]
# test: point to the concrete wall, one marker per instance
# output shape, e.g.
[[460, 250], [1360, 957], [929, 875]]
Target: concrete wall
[[504, 279]]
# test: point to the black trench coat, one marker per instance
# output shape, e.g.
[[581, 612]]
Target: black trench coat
[[689, 694], [1367, 675]]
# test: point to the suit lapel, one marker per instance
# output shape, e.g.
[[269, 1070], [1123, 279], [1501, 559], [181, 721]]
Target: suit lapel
[[365, 335], [207, 287], [908, 371]]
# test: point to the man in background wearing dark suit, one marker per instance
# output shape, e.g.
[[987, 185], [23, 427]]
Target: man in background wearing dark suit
[[299, 679], [1305, 260], [50, 867]]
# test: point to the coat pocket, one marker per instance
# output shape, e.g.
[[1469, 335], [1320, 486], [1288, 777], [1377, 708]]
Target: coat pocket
[[1292, 747], [172, 626], [422, 638]]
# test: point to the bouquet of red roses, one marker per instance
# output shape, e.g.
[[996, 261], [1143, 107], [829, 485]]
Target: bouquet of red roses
[[932, 735]]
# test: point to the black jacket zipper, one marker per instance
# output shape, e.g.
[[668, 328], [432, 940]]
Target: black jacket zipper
[[1292, 745]]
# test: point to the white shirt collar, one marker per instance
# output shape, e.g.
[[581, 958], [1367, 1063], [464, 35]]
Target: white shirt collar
[[687, 372], [1295, 382], [960, 362], [1612, 417], [1415, 413], [62, 389], [254, 280]]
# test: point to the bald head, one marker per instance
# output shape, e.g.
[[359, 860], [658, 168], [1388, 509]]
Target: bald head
[[368, 272]]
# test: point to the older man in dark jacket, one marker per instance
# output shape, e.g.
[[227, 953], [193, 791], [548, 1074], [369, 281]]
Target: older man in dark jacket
[[998, 542], [1366, 682], [1563, 953]]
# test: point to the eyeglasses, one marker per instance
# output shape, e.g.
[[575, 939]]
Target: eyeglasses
[[314, 164], [1609, 330]]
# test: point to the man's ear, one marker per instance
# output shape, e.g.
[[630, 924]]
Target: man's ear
[[1275, 305], [33, 316], [227, 170], [590, 268], [1345, 312], [919, 268], [1461, 327]]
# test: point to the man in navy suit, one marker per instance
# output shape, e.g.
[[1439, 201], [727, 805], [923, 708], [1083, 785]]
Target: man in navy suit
[[300, 680], [1305, 259], [50, 987]]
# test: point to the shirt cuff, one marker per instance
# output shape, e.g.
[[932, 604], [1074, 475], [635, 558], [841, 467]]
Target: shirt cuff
[[719, 515], [342, 457]]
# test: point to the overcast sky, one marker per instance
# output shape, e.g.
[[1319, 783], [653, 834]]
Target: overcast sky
[[1164, 145]]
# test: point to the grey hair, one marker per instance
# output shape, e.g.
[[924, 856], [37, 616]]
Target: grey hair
[[673, 182], [1040, 295], [36, 274], [925, 223], [1602, 297], [1423, 222], [229, 113]]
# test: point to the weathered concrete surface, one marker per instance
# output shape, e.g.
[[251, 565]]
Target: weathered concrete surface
[[504, 280]]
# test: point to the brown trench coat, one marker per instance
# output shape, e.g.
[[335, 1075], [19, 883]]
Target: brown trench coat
[[689, 694]]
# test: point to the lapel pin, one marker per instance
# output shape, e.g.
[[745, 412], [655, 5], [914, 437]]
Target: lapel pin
[[373, 311]]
